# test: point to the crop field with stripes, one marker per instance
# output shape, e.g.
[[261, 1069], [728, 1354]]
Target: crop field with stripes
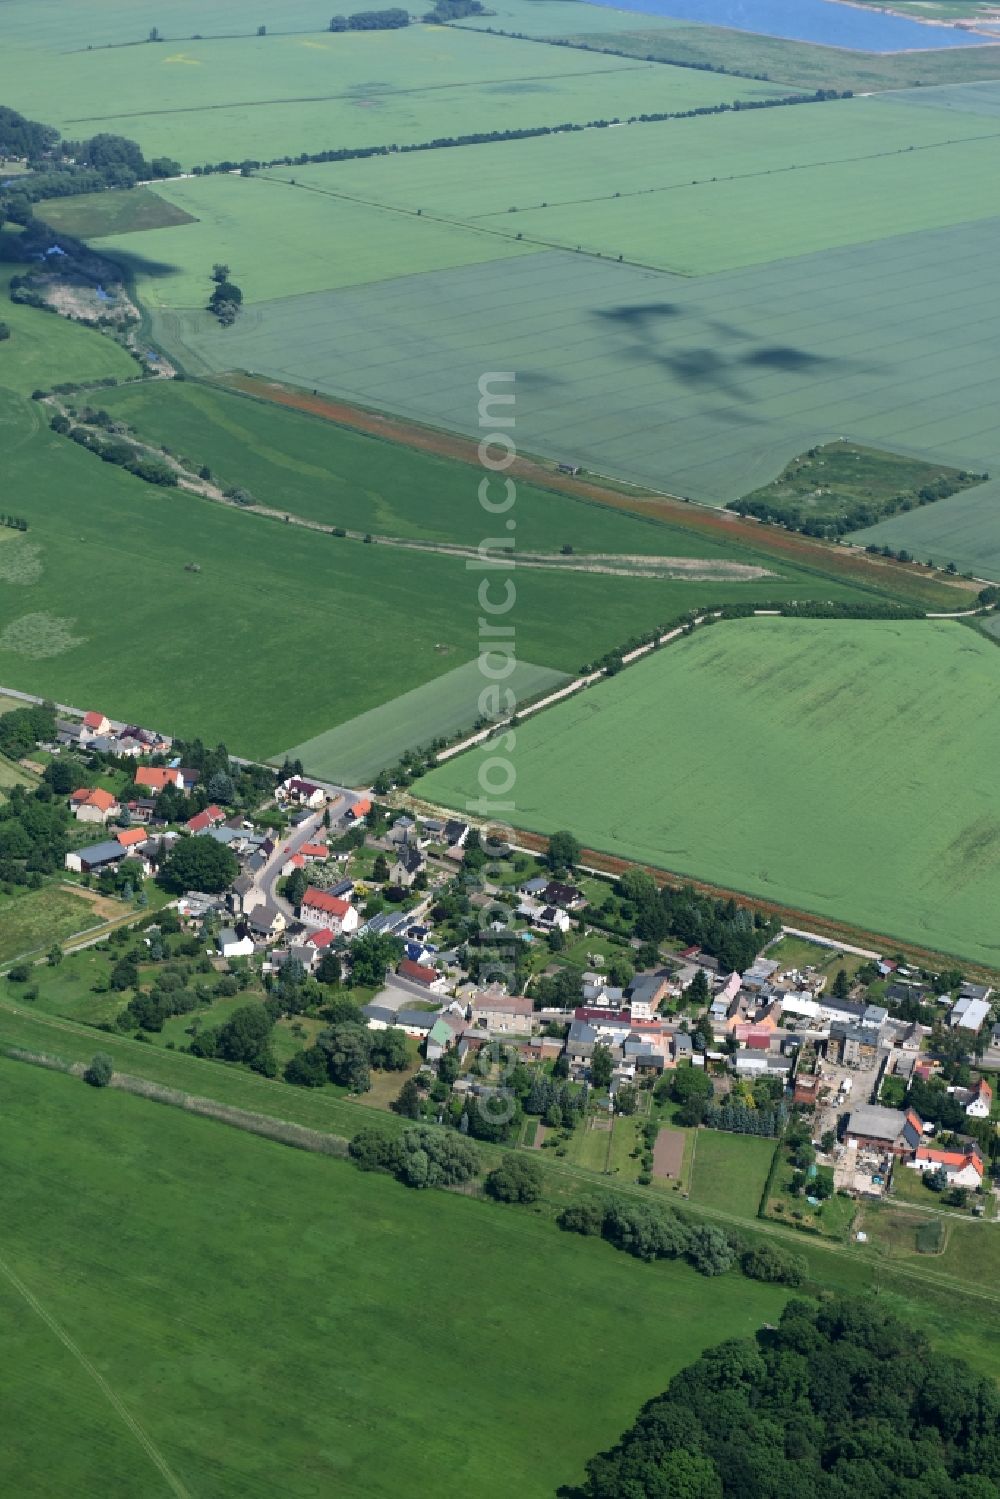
[[853, 798]]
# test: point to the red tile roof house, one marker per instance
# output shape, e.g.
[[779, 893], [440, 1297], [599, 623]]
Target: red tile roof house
[[96, 723], [94, 805], [980, 1104], [319, 909], [964, 1168], [360, 810], [314, 853], [131, 837], [208, 818], [158, 777], [419, 973]]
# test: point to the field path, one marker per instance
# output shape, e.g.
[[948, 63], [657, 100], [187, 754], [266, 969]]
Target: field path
[[145, 1442]]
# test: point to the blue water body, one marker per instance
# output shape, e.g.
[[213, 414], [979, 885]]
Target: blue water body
[[824, 21]]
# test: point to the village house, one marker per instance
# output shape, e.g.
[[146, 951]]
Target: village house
[[503, 1014], [358, 811], [979, 1102], [265, 922], [963, 1167], [427, 978], [96, 723], [566, 896], [552, 919], [442, 1035], [971, 1010], [131, 838], [231, 945], [853, 1045], [207, 818], [93, 805], [320, 909], [884, 1129], [158, 777], [299, 793]]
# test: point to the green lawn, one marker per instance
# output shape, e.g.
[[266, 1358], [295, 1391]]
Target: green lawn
[[31, 920], [838, 808], [964, 529], [730, 1170], [201, 1321]]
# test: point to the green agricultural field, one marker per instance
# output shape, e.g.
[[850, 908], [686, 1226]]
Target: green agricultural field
[[964, 529], [788, 62], [356, 751], [282, 241], [31, 920], [313, 468], [91, 214], [780, 758], [704, 387], [60, 26], [667, 194], [730, 1170], [221, 1404], [244, 97]]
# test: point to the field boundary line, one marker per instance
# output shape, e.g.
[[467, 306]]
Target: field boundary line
[[145, 1441]]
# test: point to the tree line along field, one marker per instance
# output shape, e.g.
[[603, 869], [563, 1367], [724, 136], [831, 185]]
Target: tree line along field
[[219, 1395], [246, 97], [667, 194], [862, 791], [702, 387]]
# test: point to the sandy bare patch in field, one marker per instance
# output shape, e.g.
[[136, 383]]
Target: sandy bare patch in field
[[20, 561], [39, 636], [668, 1154]]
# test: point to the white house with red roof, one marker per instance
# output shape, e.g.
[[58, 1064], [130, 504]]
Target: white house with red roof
[[93, 804], [301, 793], [980, 1105], [963, 1167], [96, 723], [419, 973], [359, 810], [131, 837], [320, 909]]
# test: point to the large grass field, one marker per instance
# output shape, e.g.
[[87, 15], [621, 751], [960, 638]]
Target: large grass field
[[355, 751], [245, 97], [837, 768], [706, 387], [667, 194], [89, 215], [156, 1249]]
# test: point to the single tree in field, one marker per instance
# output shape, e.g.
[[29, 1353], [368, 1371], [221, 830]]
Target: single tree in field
[[55, 955], [100, 1071], [407, 1101], [564, 851], [220, 272], [841, 984]]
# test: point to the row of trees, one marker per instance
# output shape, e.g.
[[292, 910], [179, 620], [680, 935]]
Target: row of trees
[[392, 19], [733, 933], [118, 451]]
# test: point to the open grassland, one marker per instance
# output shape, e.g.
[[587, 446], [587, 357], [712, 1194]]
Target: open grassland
[[58, 26], [782, 758], [282, 241], [789, 62], [114, 1204], [240, 98], [89, 215], [702, 387], [32, 920], [327, 473], [356, 751], [730, 1170], [667, 194], [44, 348]]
